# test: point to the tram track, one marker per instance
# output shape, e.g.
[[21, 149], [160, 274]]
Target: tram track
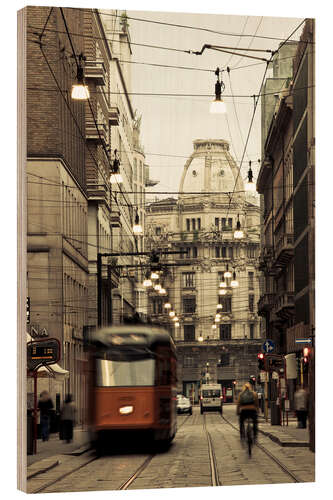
[[144, 465], [212, 457], [269, 454], [125, 484]]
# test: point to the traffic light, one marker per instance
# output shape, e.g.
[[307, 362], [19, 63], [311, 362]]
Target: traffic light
[[261, 361], [306, 352], [28, 310]]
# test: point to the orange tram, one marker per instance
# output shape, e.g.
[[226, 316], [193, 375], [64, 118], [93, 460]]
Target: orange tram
[[132, 384]]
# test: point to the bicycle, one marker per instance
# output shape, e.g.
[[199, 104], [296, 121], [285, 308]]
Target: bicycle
[[249, 435]]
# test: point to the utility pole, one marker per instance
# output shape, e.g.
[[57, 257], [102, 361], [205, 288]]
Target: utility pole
[[154, 256]]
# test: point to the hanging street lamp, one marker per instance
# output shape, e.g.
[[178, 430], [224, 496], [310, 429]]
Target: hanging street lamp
[[234, 283], [218, 105], [137, 228], [250, 186], [238, 234], [116, 177]]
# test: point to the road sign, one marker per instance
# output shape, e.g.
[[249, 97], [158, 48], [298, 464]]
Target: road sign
[[303, 341], [42, 352], [268, 346]]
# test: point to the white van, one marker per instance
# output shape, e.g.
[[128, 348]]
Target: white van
[[211, 398]]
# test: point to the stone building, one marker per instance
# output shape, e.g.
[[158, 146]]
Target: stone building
[[57, 199], [201, 224], [287, 182], [74, 211]]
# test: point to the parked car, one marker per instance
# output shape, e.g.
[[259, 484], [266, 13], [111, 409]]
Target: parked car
[[183, 405]]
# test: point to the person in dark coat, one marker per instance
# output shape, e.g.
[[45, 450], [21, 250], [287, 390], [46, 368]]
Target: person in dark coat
[[45, 406], [68, 413]]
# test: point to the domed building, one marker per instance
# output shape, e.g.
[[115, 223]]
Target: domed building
[[218, 331]]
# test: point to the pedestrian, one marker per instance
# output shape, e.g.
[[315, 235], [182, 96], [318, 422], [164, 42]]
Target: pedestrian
[[68, 413], [45, 405], [248, 407], [301, 405]]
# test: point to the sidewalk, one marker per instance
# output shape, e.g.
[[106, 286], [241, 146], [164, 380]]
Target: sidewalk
[[285, 435], [48, 452]]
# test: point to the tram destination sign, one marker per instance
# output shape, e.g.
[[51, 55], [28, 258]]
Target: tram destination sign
[[42, 352]]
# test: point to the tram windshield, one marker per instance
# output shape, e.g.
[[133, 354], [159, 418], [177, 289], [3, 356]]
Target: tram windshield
[[124, 373]]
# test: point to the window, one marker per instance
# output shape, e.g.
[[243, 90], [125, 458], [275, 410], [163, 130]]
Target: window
[[125, 373], [188, 280], [188, 252], [224, 359], [217, 252], [194, 252], [189, 304], [193, 224], [226, 224], [230, 252], [225, 331], [157, 305], [188, 225], [251, 303], [224, 252], [251, 285], [189, 332], [217, 222], [226, 304], [251, 331], [199, 223], [251, 251], [190, 362], [157, 231]]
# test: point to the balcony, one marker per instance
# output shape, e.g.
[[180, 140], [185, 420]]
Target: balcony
[[284, 250], [285, 305], [94, 133], [266, 303], [114, 115], [95, 71], [265, 256]]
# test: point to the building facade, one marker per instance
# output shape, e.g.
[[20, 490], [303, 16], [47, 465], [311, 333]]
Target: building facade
[[74, 211], [287, 183], [200, 225], [57, 201]]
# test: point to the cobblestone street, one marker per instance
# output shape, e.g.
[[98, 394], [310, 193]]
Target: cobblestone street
[[186, 463]]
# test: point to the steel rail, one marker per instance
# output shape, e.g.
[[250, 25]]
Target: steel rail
[[123, 486], [212, 458], [50, 483], [270, 455], [143, 466]]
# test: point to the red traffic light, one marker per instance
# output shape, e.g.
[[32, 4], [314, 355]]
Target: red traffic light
[[261, 355]]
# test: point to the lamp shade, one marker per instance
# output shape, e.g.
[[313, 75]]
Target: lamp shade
[[218, 107], [80, 92], [116, 178]]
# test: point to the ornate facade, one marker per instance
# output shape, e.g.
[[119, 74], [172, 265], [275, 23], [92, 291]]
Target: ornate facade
[[201, 225]]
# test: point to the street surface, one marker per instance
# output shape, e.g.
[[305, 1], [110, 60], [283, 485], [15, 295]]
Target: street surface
[[188, 462]]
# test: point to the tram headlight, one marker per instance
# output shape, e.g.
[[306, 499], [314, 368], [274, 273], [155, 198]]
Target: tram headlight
[[126, 410]]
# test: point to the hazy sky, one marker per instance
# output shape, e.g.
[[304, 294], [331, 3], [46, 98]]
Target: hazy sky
[[170, 124]]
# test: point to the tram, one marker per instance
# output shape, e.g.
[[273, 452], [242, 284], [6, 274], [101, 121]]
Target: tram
[[132, 383]]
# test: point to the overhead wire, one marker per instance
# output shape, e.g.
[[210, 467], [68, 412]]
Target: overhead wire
[[182, 25]]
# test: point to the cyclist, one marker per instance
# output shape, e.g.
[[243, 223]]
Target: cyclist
[[248, 407]]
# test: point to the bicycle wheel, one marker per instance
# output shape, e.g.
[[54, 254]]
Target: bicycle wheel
[[249, 435]]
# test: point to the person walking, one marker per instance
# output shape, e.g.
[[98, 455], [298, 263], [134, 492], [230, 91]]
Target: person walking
[[68, 413], [248, 407], [45, 405], [301, 404]]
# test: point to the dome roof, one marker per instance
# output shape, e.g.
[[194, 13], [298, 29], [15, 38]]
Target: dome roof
[[210, 169]]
